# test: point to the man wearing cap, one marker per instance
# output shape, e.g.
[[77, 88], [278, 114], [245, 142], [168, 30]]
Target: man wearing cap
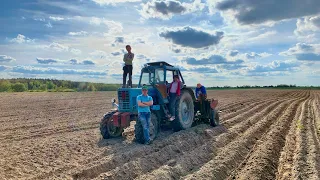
[[144, 102], [201, 92]]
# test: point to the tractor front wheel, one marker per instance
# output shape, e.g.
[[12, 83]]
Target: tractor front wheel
[[184, 112], [107, 129], [153, 128]]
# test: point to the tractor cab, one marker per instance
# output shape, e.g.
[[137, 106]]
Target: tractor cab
[[158, 75]]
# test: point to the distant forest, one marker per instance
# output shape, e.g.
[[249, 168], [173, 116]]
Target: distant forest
[[52, 85]]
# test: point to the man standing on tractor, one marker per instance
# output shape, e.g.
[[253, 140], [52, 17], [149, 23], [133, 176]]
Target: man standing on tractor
[[144, 102], [127, 68], [174, 92], [201, 92]]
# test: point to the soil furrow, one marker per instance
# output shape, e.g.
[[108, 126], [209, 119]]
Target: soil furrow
[[251, 112], [229, 157], [195, 159], [262, 162], [49, 132], [306, 159]]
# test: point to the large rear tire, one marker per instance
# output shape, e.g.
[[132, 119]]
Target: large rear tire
[[107, 129], [184, 112], [153, 128]]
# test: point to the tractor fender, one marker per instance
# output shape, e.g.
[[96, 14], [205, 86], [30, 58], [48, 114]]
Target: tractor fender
[[190, 91]]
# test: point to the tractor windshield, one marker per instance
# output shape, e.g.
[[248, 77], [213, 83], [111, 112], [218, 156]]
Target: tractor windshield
[[147, 78]]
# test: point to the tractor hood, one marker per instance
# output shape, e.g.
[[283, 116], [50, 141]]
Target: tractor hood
[[127, 98]]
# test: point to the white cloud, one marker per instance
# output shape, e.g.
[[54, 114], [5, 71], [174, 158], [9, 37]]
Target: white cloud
[[6, 59], [56, 18], [308, 28], [76, 51], [113, 27], [48, 25], [61, 48], [99, 54], [263, 36], [304, 52], [80, 33], [57, 47], [21, 39], [108, 2], [302, 48], [273, 69], [40, 19], [35, 70]]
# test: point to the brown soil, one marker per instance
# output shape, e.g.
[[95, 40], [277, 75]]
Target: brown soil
[[264, 134]]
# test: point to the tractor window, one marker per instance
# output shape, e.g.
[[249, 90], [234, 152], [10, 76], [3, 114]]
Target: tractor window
[[169, 78], [145, 78], [159, 75]]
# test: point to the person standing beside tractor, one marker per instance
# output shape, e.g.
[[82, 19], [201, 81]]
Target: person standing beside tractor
[[144, 102], [201, 92], [174, 92], [127, 68]]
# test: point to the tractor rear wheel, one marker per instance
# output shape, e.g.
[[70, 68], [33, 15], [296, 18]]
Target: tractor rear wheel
[[184, 112], [153, 128], [214, 120], [107, 129]]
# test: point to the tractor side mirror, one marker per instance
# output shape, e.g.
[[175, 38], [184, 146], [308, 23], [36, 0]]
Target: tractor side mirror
[[114, 104], [113, 100]]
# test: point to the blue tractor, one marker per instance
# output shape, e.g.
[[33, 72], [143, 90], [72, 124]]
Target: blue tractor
[[156, 76]]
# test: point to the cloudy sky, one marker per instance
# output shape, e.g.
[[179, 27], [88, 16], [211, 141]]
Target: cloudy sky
[[215, 42]]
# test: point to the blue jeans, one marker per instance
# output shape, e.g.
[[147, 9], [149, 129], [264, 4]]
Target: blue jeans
[[172, 103], [145, 118]]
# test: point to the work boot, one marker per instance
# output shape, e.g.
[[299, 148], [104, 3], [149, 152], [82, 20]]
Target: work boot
[[149, 142]]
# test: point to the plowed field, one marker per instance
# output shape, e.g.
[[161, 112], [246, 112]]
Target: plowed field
[[264, 134]]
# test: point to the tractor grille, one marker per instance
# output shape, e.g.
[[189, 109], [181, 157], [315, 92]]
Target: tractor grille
[[124, 100]]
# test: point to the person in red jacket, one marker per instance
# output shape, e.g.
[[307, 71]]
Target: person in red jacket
[[174, 92]]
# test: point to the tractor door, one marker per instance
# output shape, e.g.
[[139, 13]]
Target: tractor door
[[161, 84]]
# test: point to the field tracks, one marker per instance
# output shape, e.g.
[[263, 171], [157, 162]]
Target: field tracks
[[264, 134]]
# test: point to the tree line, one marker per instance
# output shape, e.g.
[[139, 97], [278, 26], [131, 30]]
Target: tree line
[[279, 86], [52, 85]]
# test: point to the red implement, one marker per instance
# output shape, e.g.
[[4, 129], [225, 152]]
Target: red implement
[[125, 119], [116, 119], [121, 119]]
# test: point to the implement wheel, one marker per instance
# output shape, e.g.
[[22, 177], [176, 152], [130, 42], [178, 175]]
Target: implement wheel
[[107, 129], [214, 118], [184, 112]]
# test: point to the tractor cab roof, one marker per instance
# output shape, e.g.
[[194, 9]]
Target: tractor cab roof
[[159, 63]]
